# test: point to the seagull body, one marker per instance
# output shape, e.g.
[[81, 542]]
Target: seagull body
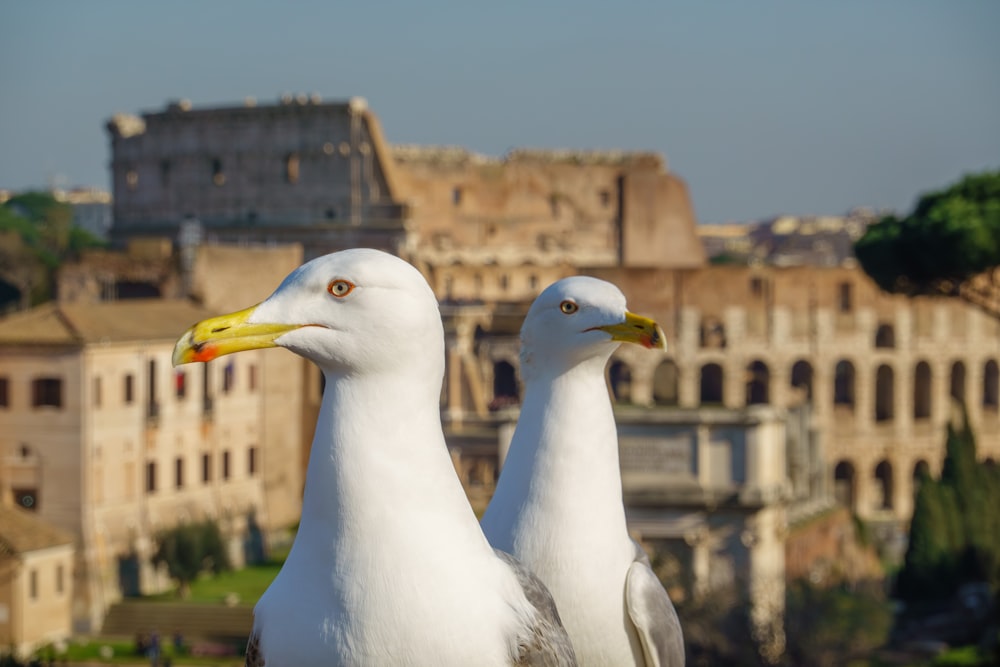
[[558, 503], [389, 566]]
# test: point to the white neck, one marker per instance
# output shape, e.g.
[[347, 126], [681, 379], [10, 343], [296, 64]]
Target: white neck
[[563, 459]]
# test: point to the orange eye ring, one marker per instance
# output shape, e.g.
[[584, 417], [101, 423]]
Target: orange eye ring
[[568, 307], [340, 288]]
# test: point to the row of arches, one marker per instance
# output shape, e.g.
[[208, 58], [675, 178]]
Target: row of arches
[[883, 481], [757, 383]]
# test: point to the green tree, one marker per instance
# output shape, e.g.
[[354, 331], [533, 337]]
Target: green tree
[[949, 245], [188, 550]]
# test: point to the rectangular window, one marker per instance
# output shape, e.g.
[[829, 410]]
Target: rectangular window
[[97, 392], [228, 375], [846, 300], [225, 465], [206, 391], [33, 584], [180, 384], [128, 389], [252, 377], [59, 579], [179, 473], [4, 395], [46, 392], [252, 461], [206, 468], [151, 477]]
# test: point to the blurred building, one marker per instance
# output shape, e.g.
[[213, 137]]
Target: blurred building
[[36, 580], [102, 438]]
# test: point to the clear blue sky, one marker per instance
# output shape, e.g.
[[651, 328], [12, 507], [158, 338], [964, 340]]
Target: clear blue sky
[[763, 107]]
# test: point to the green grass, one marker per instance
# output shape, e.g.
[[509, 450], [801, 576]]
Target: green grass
[[122, 652], [247, 584]]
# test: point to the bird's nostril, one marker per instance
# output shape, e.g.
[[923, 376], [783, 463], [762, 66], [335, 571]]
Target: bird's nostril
[[219, 329]]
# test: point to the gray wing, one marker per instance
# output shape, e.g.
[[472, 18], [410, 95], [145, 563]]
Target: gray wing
[[254, 657], [549, 644], [653, 615]]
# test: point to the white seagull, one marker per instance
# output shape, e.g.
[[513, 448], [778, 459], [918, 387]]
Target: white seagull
[[389, 566], [558, 503]]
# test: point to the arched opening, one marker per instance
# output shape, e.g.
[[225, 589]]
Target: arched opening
[[758, 383], [922, 391], [843, 384], [712, 333], [883, 485], [885, 336], [843, 483], [958, 381], [505, 389], [991, 386], [711, 384], [10, 296], [665, 383], [802, 378], [884, 393], [620, 379]]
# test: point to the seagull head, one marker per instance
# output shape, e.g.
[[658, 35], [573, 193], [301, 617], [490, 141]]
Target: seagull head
[[354, 311], [581, 318]]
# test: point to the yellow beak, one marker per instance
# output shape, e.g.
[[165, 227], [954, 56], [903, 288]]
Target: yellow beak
[[636, 329], [226, 334]]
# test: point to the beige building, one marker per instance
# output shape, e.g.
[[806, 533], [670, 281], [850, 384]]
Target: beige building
[[102, 438], [36, 581]]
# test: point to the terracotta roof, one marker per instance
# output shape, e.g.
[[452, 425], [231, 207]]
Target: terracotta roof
[[22, 531], [115, 321]]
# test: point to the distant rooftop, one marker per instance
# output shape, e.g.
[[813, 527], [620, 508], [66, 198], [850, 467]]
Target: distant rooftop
[[116, 321], [22, 531]]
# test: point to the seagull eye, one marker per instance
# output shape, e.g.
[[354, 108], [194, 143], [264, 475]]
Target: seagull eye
[[340, 288], [569, 307]]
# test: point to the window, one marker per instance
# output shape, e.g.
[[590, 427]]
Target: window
[[227, 377], [129, 389], [132, 179], [252, 461], [456, 196], [151, 477], [846, 297], [97, 392], [605, 198], [252, 377], [165, 172], [26, 498], [292, 168], [179, 473], [206, 468], [218, 176], [60, 576], [180, 384], [225, 465], [4, 395], [33, 584], [46, 392]]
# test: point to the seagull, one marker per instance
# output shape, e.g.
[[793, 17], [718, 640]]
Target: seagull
[[558, 503], [389, 566]]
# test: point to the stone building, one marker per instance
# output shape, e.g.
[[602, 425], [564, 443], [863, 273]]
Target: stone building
[[36, 581], [103, 439]]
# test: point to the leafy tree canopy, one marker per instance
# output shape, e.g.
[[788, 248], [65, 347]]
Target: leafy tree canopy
[[951, 237], [188, 550]]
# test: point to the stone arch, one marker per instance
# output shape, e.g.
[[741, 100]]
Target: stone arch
[[802, 378], [885, 336], [712, 382], [620, 380], [885, 393], [666, 382], [505, 388], [921, 470], [922, 391], [758, 384], [991, 386], [844, 484], [883, 485], [844, 390], [957, 386]]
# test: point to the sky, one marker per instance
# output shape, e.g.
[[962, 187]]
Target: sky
[[763, 108]]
